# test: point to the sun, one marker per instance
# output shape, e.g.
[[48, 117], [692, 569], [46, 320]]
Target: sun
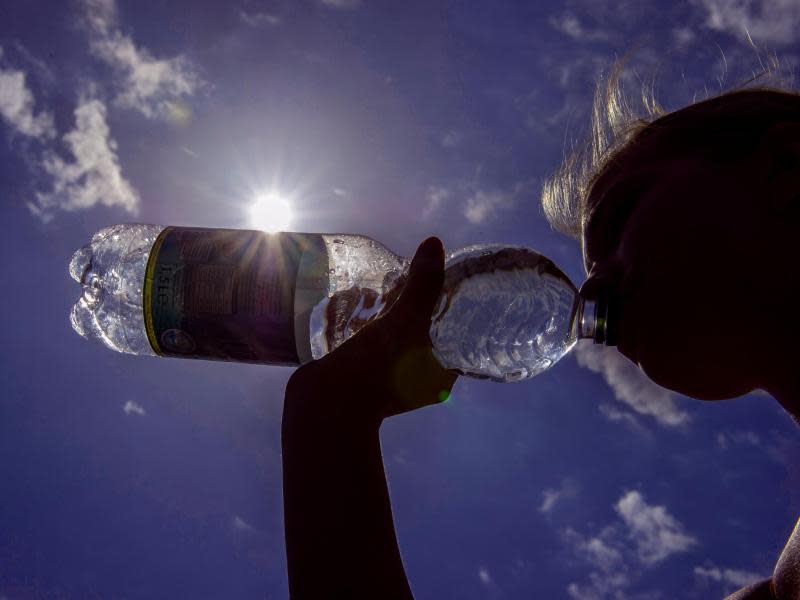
[[270, 213]]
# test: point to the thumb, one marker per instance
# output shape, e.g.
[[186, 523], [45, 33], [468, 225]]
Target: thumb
[[424, 283]]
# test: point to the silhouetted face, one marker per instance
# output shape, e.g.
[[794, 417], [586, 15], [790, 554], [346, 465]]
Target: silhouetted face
[[686, 244]]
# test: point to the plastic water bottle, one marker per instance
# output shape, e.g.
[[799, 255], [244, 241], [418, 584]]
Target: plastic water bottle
[[506, 313]]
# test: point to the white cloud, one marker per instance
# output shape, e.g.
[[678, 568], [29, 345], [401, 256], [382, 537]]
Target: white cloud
[[612, 562], [551, 496], [476, 204], [739, 438], [17, 107], [451, 139], [240, 525], [683, 36], [101, 15], [766, 21], [601, 586], [608, 571], [657, 533], [341, 3], [484, 576], [568, 24], [436, 197], [731, 578], [601, 552], [93, 176], [614, 414], [259, 19], [131, 408], [482, 206], [630, 385], [153, 86]]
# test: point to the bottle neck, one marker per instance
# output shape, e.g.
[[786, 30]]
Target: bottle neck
[[596, 319]]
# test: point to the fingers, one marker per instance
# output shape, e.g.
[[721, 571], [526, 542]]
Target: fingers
[[418, 380], [424, 284]]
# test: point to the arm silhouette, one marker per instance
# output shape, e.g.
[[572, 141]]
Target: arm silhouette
[[340, 537]]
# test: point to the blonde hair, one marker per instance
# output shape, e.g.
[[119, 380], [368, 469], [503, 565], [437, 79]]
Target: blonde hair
[[616, 126]]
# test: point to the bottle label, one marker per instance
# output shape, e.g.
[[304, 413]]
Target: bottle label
[[225, 294]]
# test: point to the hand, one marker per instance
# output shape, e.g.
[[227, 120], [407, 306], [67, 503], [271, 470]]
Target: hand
[[387, 368]]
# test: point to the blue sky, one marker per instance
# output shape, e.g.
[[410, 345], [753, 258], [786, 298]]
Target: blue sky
[[127, 477]]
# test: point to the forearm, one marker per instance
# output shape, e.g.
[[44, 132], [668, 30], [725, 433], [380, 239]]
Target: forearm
[[340, 538]]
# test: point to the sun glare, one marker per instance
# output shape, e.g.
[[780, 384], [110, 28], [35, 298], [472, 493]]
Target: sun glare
[[270, 213]]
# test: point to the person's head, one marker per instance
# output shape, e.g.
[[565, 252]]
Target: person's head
[[690, 219]]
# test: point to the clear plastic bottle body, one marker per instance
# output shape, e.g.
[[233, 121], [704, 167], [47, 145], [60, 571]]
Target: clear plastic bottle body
[[506, 313], [363, 279], [111, 271]]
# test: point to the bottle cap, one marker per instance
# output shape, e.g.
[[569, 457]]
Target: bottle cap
[[596, 320]]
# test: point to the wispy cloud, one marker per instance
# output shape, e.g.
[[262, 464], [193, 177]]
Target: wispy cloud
[[132, 408], [17, 106], [93, 175], [608, 572], [617, 415], [259, 20], [737, 438], [683, 36], [643, 536], [568, 24], [657, 533], [766, 21], [601, 551], [569, 78], [436, 197], [477, 204], [731, 579], [153, 86], [451, 139], [483, 575], [630, 385], [240, 525], [551, 496], [601, 586], [483, 205], [344, 4], [42, 70]]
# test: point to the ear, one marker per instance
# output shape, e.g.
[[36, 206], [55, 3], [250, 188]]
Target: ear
[[779, 149]]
